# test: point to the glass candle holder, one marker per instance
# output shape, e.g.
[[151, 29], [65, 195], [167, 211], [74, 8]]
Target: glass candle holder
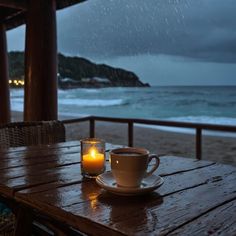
[[93, 159]]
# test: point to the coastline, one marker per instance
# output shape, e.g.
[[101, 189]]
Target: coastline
[[215, 148]]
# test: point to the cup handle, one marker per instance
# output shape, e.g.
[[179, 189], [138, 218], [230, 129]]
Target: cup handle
[[153, 156]]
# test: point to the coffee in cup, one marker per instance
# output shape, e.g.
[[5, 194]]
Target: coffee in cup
[[130, 165]]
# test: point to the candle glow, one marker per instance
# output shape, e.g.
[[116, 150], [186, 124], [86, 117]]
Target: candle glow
[[93, 162]]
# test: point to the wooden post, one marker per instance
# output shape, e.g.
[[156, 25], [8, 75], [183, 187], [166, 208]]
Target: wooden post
[[4, 85], [92, 128], [40, 102], [199, 143], [130, 134]]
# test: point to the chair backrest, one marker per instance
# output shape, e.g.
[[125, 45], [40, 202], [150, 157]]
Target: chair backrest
[[31, 133]]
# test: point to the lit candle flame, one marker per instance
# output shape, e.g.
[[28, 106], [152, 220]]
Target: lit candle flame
[[93, 152]]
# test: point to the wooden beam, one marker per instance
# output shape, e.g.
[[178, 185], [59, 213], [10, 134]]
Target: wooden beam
[[67, 3], [22, 4], [15, 21], [4, 85], [41, 61], [16, 4], [12, 12]]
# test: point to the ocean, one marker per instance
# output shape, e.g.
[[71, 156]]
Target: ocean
[[202, 104]]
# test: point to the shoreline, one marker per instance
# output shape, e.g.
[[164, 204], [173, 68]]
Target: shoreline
[[215, 148]]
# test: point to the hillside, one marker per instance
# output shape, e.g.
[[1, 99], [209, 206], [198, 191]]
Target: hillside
[[77, 72]]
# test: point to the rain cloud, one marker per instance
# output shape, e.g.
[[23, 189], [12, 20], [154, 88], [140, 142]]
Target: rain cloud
[[203, 30]]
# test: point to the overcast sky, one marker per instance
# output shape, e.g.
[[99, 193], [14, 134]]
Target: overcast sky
[[182, 35]]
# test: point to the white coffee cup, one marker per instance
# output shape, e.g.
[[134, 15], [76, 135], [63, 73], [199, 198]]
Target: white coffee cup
[[129, 165]]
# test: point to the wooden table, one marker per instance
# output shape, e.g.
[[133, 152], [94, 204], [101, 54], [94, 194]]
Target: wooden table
[[197, 197]]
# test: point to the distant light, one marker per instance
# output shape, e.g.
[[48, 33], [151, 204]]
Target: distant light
[[17, 82]]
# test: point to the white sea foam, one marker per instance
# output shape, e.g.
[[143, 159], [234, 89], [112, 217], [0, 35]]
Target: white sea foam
[[17, 92], [17, 104], [91, 102], [72, 115], [197, 119], [76, 90], [206, 119]]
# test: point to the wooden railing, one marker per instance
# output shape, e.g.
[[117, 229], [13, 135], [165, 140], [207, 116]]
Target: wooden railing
[[130, 122]]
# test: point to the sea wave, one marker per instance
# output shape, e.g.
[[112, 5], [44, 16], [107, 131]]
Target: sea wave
[[197, 119], [17, 104], [222, 104], [78, 90], [92, 102], [16, 93], [206, 119], [185, 102]]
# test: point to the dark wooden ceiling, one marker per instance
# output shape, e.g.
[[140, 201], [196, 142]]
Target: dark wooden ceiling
[[13, 12]]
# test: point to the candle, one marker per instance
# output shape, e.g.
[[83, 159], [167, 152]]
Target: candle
[[93, 162], [92, 157]]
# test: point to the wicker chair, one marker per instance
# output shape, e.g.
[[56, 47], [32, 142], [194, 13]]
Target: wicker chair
[[31, 133], [26, 134]]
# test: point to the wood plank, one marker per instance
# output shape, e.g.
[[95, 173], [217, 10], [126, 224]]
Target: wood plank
[[64, 174], [86, 206], [220, 221], [39, 166], [42, 152], [37, 147], [19, 166], [171, 164], [19, 172], [34, 156], [45, 150], [67, 144]]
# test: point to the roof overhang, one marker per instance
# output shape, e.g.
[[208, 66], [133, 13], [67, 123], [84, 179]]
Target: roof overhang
[[13, 12]]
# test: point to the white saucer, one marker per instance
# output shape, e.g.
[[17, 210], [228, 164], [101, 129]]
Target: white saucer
[[107, 181]]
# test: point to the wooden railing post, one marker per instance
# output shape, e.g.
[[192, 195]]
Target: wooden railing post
[[130, 134], [199, 143], [92, 127]]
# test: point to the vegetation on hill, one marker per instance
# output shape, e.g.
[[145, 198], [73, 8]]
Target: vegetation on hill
[[76, 72], [16, 64]]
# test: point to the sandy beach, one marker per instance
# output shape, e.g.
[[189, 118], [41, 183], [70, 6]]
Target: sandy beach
[[215, 148]]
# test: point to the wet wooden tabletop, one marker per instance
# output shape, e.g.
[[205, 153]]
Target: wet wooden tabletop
[[197, 197]]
